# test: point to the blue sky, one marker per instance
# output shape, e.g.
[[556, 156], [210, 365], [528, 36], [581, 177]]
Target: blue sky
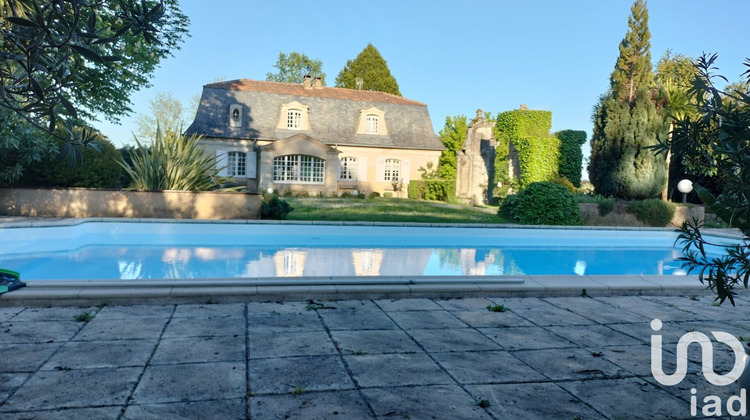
[[454, 56]]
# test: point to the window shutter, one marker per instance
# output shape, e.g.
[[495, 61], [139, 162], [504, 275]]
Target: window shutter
[[251, 165], [380, 170], [362, 169], [221, 162], [405, 170]]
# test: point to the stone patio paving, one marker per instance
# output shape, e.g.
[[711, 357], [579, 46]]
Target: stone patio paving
[[543, 358]]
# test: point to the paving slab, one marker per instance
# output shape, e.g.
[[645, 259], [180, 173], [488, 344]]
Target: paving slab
[[220, 348], [135, 311], [596, 310], [374, 342], [221, 409], [485, 318], [486, 367], [9, 382], [462, 339], [529, 338], [313, 343], [396, 305], [395, 370], [17, 332], [427, 320], [26, 357], [551, 315], [571, 364], [103, 413], [136, 328], [9, 313], [593, 336], [101, 354], [210, 311], [311, 405], [282, 322], [74, 388], [533, 401], [205, 327], [191, 382], [285, 374], [53, 314], [358, 318], [631, 398], [424, 402]]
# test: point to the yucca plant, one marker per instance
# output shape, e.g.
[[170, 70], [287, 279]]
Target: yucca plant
[[174, 162]]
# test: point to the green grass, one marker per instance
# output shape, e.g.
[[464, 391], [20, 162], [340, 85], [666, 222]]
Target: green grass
[[388, 210]]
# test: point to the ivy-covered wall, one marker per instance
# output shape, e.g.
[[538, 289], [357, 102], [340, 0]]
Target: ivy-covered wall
[[571, 155], [538, 152], [538, 157]]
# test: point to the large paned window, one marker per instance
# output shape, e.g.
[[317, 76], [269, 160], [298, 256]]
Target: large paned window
[[299, 168], [348, 169], [236, 165], [294, 119], [372, 124], [392, 170]]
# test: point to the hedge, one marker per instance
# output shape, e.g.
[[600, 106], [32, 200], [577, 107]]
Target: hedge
[[433, 189]]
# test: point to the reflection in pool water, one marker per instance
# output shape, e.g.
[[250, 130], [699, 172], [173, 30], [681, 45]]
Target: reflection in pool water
[[194, 250]]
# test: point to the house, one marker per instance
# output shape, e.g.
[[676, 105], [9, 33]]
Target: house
[[309, 138]]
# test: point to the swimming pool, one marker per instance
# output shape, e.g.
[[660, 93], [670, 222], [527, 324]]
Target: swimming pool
[[190, 250]]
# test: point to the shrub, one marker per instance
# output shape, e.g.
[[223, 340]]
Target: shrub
[[652, 211], [508, 208], [361, 195], [346, 194], [388, 194], [433, 189], [275, 209], [547, 203], [606, 206], [571, 155], [565, 183], [373, 194], [98, 168]]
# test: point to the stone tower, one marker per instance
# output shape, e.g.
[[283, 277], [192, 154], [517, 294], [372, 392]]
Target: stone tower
[[475, 162]]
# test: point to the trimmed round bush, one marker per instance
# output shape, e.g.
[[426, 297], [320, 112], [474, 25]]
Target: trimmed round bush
[[275, 209], [565, 183], [508, 208], [652, 211], [547, 203]]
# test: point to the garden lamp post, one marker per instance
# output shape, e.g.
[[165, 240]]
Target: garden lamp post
[[685, 187]]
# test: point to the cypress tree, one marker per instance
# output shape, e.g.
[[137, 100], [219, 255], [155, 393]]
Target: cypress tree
[[372, 68], [627, 121]]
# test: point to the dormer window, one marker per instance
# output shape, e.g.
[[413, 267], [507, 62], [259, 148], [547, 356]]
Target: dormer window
[[371, 124], [294, 119], [235, 115], [293, 116]]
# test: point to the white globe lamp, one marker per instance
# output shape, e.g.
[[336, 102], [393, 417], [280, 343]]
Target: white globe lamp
[[685, 187]]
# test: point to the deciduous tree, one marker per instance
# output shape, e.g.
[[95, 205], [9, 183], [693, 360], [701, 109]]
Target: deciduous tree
[[372, 68], [167, 112], [453, 136], [294, 67]]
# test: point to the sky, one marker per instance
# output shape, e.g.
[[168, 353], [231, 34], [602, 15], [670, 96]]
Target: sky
[[455, 56]]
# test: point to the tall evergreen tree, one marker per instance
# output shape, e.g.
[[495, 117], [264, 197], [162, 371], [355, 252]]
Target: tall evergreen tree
[[372, 68], [627, 120]]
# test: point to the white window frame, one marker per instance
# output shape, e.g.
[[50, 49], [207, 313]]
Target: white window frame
[[294, 119], [299, 169], [392, 170], [348, 168], [237, 164], [372, 124]]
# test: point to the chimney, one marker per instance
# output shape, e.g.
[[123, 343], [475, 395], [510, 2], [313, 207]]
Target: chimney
[[318, 82], [307, 81], [524, 107], [360, 83]]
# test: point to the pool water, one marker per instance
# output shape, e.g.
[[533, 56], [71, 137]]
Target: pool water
[[187, 250]]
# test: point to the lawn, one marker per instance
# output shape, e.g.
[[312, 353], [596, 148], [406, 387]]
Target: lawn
[[388, 210]]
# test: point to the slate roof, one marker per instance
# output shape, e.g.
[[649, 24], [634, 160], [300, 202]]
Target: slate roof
[[333, 114]]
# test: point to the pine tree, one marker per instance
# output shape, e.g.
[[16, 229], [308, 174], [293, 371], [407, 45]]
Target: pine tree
[[627, 120], [372, 68]]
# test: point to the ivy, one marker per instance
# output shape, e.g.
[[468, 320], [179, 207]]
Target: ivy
[[538, 157], [571, 155]]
